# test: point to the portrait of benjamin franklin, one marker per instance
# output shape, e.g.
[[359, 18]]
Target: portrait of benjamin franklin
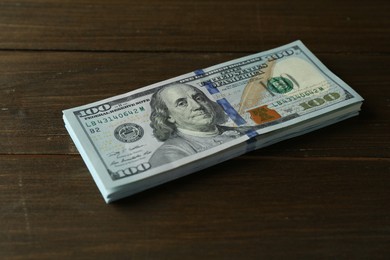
[[187, 122]]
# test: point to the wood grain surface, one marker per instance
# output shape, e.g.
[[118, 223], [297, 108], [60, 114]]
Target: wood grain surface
[[322, 195]]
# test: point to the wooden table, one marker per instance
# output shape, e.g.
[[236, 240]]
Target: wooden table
[[322, 195]]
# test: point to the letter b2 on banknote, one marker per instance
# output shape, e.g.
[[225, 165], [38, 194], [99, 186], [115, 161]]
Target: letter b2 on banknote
[[155, 134]]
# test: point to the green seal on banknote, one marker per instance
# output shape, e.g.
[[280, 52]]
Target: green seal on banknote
[[280, 85]]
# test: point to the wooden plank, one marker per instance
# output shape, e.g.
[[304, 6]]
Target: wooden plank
[[326, 26], [251, 207], [323, 194], [36, 86]]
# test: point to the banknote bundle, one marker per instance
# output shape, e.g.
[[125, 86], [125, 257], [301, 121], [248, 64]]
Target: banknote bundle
[[149, 136]]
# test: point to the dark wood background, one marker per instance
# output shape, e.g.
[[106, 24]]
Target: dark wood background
[[322, 195]]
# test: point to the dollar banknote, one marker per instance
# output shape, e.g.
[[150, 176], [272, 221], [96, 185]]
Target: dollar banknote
[[154, 134]]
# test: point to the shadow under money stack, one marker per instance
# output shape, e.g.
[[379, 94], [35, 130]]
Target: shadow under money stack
[[167, 130]]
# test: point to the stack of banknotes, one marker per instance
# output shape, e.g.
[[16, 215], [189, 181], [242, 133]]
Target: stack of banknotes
[[167, 130]]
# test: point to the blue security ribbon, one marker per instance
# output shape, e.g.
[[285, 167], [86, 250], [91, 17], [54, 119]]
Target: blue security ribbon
[[199, 72], [232, 113], [251, 133], [210, 87], [226, 106]]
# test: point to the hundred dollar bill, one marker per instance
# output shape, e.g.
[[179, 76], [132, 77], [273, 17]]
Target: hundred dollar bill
[[152, 135]]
